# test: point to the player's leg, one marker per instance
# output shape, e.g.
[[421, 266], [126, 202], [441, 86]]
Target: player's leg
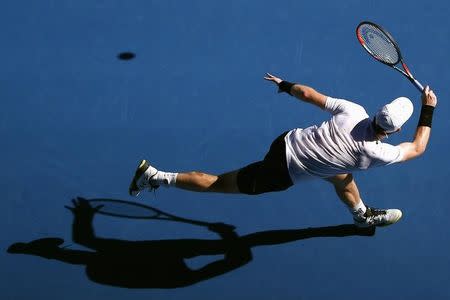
[[147, 176], [203, 182], [348, 192], [268, 175], [257, 178]]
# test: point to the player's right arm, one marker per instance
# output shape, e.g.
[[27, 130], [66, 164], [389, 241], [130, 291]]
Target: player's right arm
[[302, 92], [419, 144]]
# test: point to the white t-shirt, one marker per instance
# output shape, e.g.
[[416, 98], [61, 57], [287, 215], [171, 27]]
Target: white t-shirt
[[343, 144]]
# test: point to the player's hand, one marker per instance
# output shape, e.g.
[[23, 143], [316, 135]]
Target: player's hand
[[428, 97], [272, 78]]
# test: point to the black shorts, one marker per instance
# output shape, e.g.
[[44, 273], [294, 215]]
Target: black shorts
[[268, 175]]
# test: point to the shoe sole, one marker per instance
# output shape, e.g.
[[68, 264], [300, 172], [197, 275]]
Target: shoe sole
[[133, 190], [398, 217]]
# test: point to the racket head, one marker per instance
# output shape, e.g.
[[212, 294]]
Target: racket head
[[124, 209], [378, 43]]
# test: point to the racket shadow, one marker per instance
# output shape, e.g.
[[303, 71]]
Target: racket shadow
[[161, 263]]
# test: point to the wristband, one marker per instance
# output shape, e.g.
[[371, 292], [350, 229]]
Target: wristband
[[426, 115], [285, 86]]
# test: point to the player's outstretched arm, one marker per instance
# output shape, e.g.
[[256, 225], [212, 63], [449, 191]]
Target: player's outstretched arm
[[419, 144], [302, 92]]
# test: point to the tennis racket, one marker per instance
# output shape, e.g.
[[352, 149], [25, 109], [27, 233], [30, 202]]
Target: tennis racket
[[382, 46], [133, 210]]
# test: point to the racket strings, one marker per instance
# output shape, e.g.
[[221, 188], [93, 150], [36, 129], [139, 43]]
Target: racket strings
[[379, 44], [125, 209]]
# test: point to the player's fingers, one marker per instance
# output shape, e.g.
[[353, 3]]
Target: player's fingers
[[433, 95]]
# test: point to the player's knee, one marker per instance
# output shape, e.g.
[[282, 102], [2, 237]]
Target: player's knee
[[206, 179], [197, 174], [341, 180]]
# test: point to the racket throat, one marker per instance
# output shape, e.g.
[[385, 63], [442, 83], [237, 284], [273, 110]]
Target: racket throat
[[405, 67]]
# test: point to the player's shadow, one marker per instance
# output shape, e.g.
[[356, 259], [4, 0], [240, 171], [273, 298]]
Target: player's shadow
[[161, 263]]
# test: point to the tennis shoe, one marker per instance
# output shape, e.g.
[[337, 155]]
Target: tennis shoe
[[143, 179], [378, 217]]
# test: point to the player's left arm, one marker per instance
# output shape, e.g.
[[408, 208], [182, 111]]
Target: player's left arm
[[301, 92]]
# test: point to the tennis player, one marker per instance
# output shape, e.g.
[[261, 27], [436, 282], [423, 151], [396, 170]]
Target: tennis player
[[350, 141]]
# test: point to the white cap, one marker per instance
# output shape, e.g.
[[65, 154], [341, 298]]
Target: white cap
[[392, 116]]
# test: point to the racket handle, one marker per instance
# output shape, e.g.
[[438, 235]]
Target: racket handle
[[417, 84]]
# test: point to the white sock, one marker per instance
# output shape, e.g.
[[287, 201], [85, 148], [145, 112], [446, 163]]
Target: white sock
[[165, 178], [359, 209]]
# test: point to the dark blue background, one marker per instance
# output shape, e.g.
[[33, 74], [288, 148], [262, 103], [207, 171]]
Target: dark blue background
[[75, 121]]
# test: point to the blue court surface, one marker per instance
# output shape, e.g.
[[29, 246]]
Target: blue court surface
[[75, 121]]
